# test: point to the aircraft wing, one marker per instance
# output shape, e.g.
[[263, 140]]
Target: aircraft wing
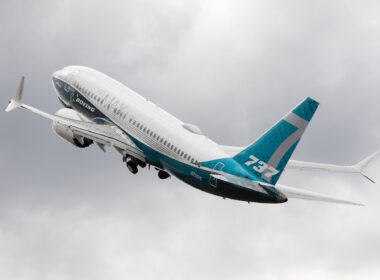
[[357, 168], [102, 134]]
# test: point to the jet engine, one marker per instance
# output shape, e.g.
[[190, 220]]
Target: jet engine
[[66, 133]]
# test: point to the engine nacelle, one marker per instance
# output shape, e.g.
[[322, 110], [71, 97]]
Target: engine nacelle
[[69, 113], [65, 132]]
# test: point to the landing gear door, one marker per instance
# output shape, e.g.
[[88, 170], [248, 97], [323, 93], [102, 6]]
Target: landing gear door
[[213, 181]]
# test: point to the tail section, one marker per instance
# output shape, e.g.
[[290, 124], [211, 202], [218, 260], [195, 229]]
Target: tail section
[[267, 157]]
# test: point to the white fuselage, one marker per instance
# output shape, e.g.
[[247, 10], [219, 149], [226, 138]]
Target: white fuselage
[[141, 118]]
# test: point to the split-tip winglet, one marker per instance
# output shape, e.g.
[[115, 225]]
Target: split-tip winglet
[[15, 102], [364, 163]]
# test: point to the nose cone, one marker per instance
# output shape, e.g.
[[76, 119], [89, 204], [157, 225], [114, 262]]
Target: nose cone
[[282, 198], [57, 74]]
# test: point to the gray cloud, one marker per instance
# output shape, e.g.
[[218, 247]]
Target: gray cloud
[[233, 68]]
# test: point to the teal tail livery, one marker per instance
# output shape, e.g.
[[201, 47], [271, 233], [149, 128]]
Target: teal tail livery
[[267, 157]]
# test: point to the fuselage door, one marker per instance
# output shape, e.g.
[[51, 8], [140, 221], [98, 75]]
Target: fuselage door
[[218, 167]]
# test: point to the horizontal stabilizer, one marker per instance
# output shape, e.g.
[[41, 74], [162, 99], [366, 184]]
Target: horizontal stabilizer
[[292, 192]]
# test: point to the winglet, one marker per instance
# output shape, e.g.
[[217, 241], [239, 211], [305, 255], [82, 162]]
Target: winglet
[[15, 102], [364, 163]]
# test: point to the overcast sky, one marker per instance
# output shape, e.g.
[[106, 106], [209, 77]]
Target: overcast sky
[[231, 67]]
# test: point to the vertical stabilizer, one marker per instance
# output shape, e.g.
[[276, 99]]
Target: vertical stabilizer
[[267, 157]]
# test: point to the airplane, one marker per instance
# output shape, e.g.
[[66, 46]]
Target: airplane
[[98, 109]]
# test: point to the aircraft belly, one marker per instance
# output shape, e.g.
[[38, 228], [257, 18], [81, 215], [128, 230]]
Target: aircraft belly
[[200, 179]]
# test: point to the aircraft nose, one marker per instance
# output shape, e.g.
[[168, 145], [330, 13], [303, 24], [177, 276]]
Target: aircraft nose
[[282, 198], [57, 74]]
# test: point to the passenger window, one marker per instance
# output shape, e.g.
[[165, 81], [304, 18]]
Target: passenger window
[[165, 143]]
